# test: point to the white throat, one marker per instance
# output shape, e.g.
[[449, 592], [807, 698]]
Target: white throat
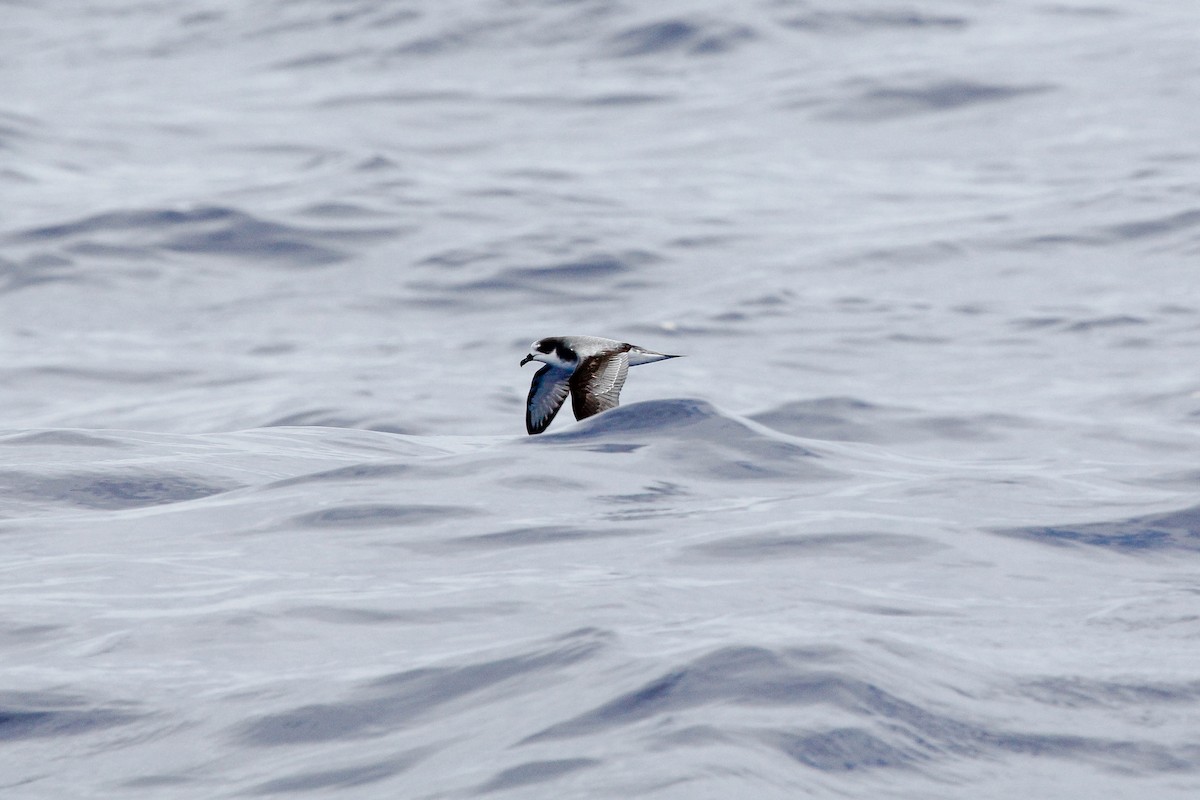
[[553, 360]]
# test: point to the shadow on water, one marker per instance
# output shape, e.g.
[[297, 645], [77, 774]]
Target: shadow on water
[[1174, 530]]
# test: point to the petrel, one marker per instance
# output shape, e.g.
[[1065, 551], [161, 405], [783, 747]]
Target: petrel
[[591, 369]]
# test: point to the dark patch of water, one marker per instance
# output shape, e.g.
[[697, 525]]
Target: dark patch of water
[[210, 230], [37, 270], [733, 674], [373, 516], [570, 276], [111, 490], [401, 699], [887, 103], [1080, 692], [35, 715], [883, 19], [841, 750], [63, 438], [1174, 530], [892, 732], [693, 37], [546, 535], [774, 545], [532, 772], [345, 777], [356, 472], [437, 615]]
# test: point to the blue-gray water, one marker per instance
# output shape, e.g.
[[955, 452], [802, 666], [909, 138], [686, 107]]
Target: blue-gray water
[[917, 517]]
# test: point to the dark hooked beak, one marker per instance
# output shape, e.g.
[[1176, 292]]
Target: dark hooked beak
[[526, 360]]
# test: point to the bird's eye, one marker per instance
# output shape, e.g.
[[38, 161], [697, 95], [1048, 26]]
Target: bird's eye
[[542, 347]]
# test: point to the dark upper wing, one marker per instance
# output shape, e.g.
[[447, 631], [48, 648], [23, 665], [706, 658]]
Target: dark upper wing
[[546, 395], [596, 384]]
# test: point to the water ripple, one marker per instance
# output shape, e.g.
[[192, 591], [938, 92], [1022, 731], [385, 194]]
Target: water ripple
[[401, 699], [108, 490], [212, 230], [890, 102], [1174, 530], [693, 37], [36, 715]]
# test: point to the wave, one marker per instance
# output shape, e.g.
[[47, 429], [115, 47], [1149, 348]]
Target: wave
[[212, 230], [111, 490], [864, 726], [403, 698], [1173, 530], [883, 103], [689, 36], [49, 715], [694, 435], [853, 420]]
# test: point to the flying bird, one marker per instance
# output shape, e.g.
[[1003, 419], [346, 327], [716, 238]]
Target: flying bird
[[592, 370]]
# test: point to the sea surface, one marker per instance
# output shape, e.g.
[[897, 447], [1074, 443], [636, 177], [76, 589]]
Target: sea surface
[[918, 515]]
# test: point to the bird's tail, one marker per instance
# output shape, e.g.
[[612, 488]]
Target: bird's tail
[[640, 355]]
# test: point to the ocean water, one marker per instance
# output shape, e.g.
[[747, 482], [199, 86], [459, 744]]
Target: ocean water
[[918, 516]]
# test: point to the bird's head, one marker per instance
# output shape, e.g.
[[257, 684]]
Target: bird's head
[[552, 351]]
